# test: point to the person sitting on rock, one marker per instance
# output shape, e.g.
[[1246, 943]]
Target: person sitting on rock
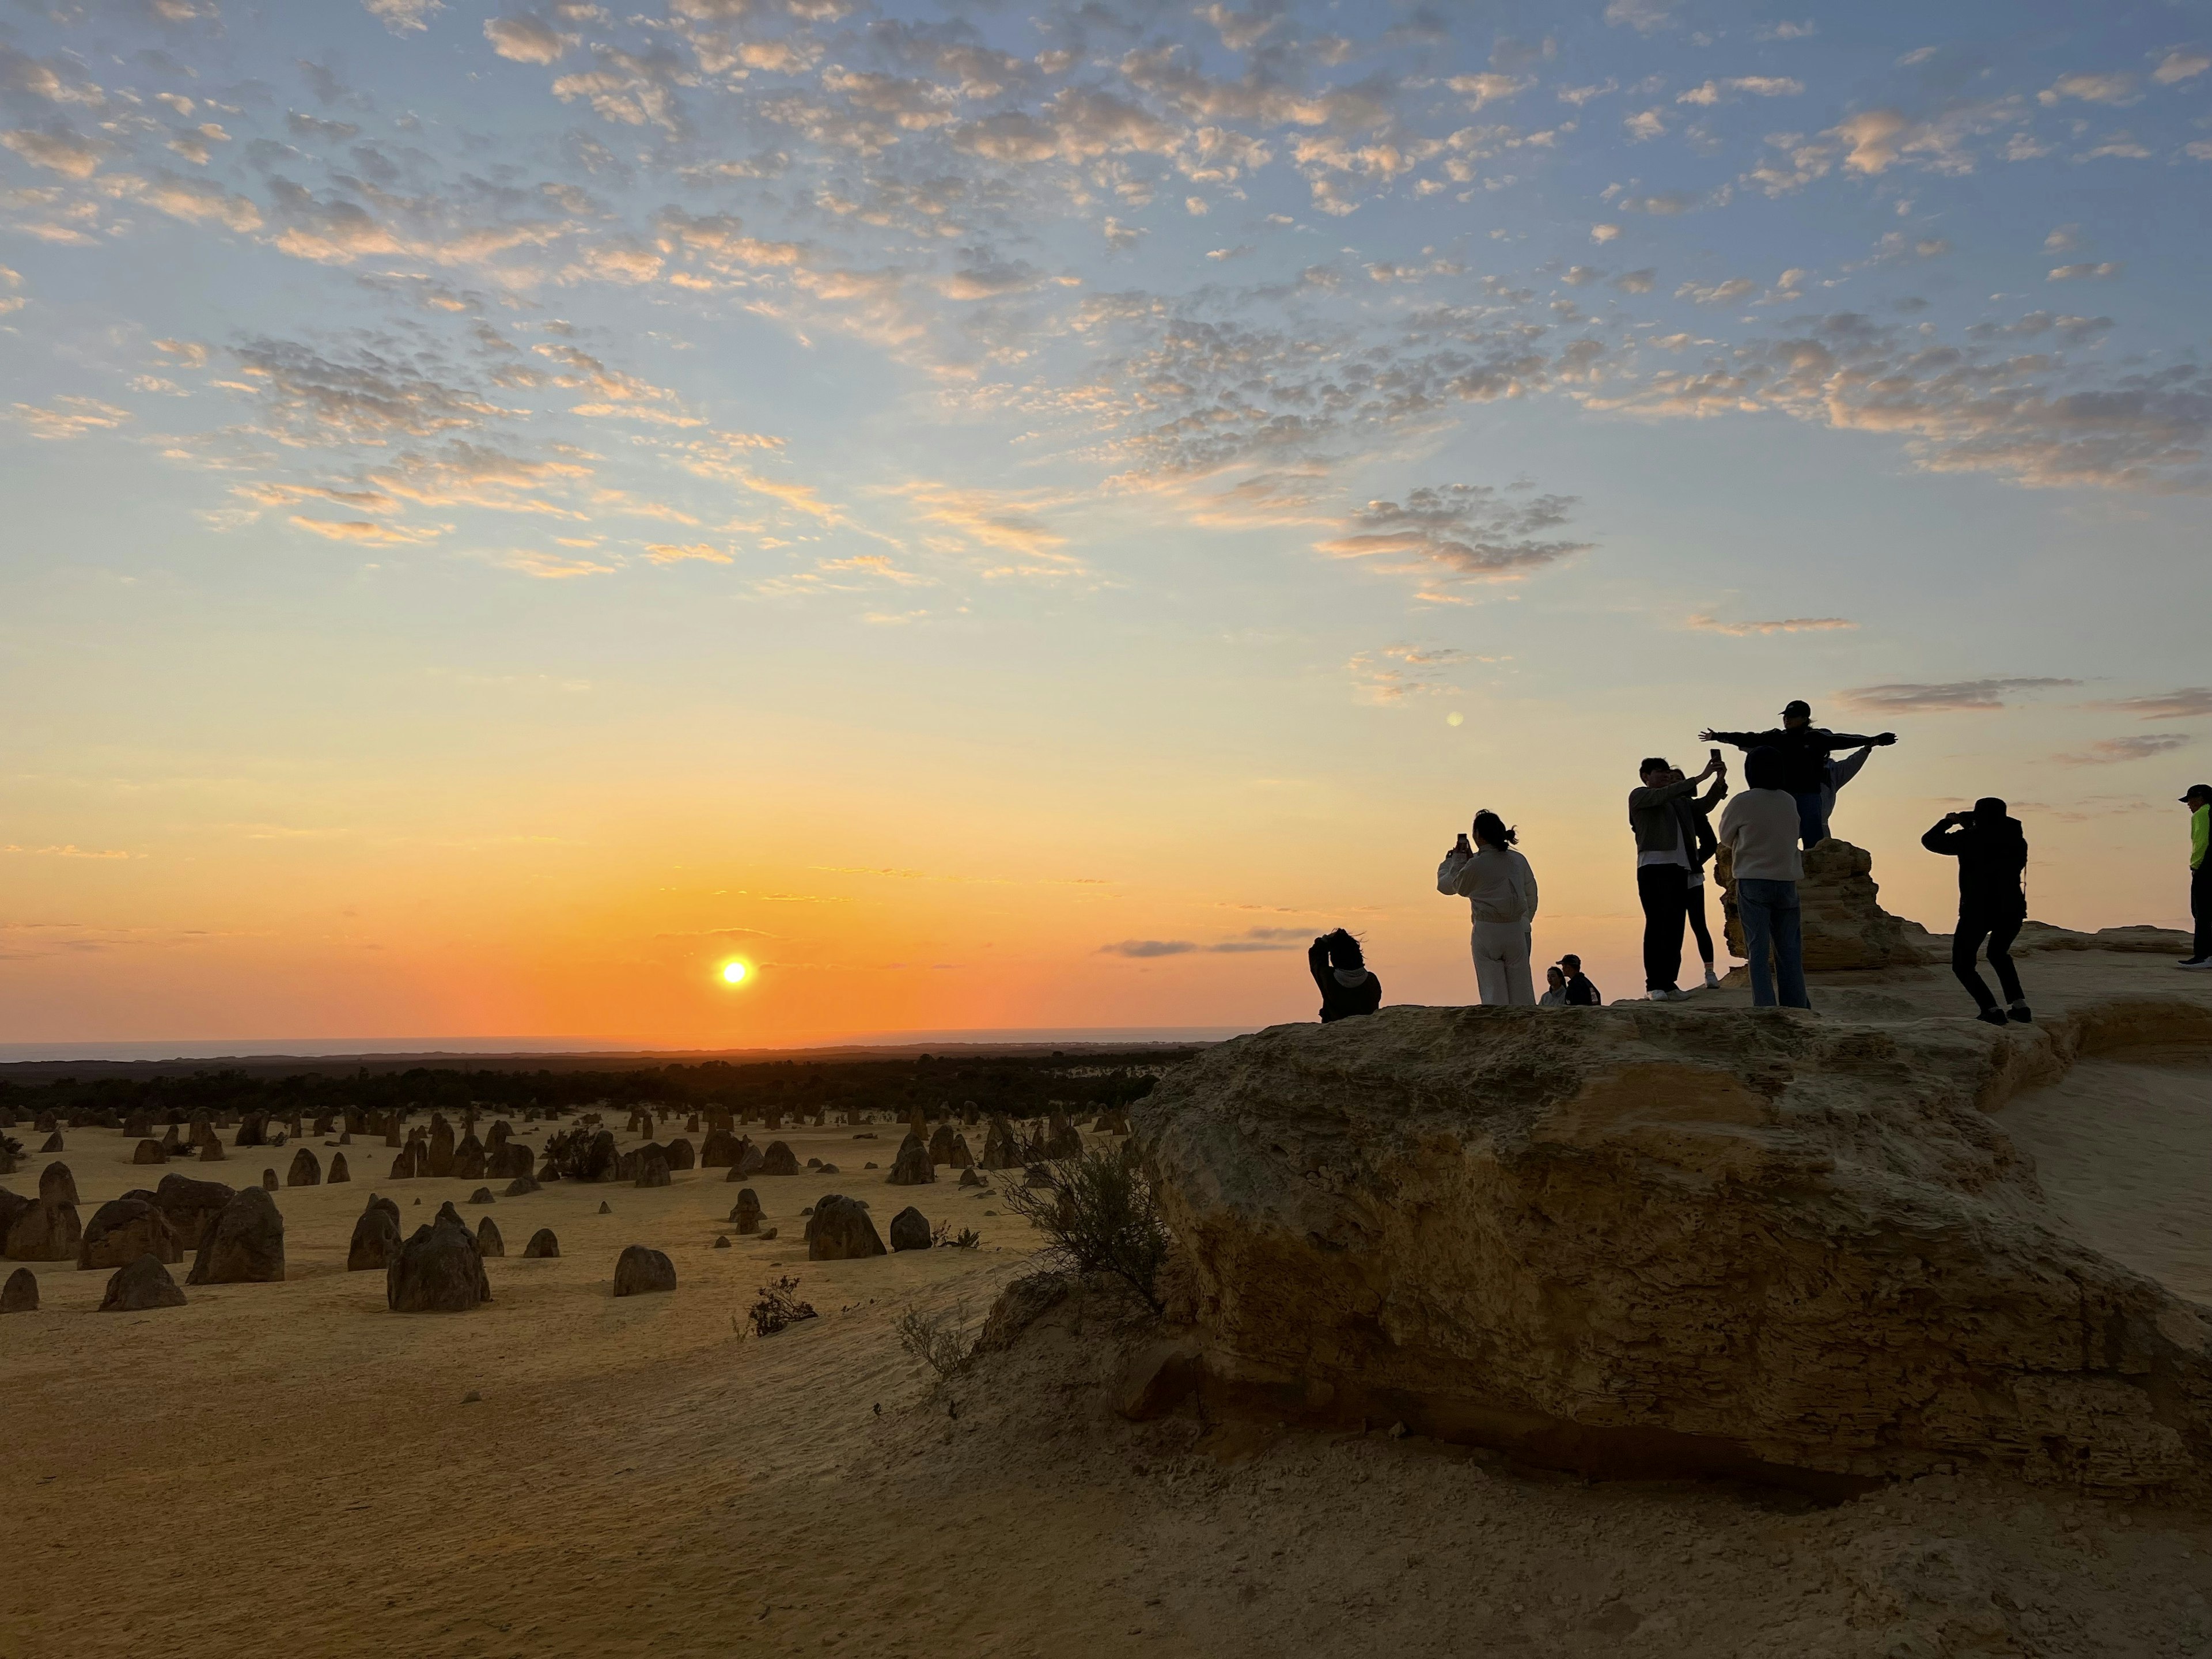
[[1555, 988], [1992, 853], [1339, 968], [1581, 993], [1801, 747], [1500, 890], [1760, 829]]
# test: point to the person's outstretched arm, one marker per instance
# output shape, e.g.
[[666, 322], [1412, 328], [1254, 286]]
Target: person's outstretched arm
[[1843, 771], [1734, 739], [1946, 836], [1834, 740]]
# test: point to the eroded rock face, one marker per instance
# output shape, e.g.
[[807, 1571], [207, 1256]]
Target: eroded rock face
[[1666, 1240], [642, 1271], [307, 1170], [912, 1168], [778, 1160], [375, 1238], [437, 1270], [140, 1285], [123, 1229], [488, 1242], [245, 1245], [909, 1229], [1839, 912], [840, 1231], [191, 1206]]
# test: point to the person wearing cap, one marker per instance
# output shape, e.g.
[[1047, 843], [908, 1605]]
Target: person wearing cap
[[1803, 750], [1663, 869], [1992, 854], [1578, 992], [2198, 800]]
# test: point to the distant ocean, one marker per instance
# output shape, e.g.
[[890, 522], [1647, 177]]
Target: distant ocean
[[328, 1047]]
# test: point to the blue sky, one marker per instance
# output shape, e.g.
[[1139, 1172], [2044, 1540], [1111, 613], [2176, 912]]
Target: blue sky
[[473, 463]]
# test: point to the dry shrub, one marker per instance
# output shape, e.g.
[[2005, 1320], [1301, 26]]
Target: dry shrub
[[778, 1308], [938, 1340], [1097, 1215]]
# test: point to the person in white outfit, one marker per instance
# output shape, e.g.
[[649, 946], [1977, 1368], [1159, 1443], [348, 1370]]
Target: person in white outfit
[[1500, 890]]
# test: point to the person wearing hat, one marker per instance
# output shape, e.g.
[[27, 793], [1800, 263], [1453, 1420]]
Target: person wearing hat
[[1803, 749], [1992, 855], [1575, 989], [2198, 800]]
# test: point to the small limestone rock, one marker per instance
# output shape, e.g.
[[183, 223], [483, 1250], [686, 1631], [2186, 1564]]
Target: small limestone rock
[[305, 1170], [913, 1167], [53, 1143], [376, 1237], [269, 1181], [642, 1271], [521, 1187], [438, 1270], [142, 1285], [481, 1195], [149, 1151], [653, 1168], [488, 1242], [125, 1229], [605, 1208], [746, 1212], [778, 1160], [338, 1171], [721, 1241], [969, 1178], [841, 1230], [542, 1244], [909, 1229], [21, 1294]]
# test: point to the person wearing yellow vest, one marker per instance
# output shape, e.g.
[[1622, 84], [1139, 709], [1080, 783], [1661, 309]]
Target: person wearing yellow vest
[[2198, 800]]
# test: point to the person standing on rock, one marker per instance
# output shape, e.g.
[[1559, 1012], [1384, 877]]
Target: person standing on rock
[[1760, 829], [2198, 800], [1802, 748], [1836, 773], [1664, 868], [1348, 987], [1500, 890], [1698, 826], [1992, 853]]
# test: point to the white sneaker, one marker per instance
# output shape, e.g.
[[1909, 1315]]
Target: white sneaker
[[1712, 979], [2196, 962]]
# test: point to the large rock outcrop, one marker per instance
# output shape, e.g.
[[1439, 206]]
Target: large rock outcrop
[[123, 1229], [1839, 913], [437, 1270], [245, 1245], [1666, 1240]]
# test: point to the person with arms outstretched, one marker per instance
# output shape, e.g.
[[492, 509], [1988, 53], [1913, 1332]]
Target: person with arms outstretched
[[1500, 890], [1348, 987], [1663, 869], [1992, 853], [1802, 748]]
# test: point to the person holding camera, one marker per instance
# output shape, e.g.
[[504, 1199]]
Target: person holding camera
[[1500, 890], [1348, 987], [1992, 853]]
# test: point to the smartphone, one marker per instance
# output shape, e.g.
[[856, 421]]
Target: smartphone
[[1716, 755]]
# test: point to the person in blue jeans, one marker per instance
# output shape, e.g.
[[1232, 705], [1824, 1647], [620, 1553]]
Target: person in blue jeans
[[1760, 828], [1801, 751]]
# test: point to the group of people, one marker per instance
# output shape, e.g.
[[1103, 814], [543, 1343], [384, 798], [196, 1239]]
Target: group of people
[[1791, 773]]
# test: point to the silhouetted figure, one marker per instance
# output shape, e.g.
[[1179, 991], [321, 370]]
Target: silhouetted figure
[[1992, 854], [1760, 830], [1581, 993], [1339, 968], [1698, 825], [1555, 988], [1802, 749], [1662, 870], [2198, 800], [1500, 890], [1838, 772]]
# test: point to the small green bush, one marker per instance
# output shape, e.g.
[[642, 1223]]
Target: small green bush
[[1097, 1213]]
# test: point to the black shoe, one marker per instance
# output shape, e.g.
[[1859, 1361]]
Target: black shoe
[[2196, 962], [1992, 1017], [2019, 1013]]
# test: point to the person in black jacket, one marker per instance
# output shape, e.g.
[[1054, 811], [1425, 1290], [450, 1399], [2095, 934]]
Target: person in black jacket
[[1992, 854], [1696, 814], [1339, 968], [1804, 748]]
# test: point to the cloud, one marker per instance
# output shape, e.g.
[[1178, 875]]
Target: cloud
[[1143, 948], [69, 416], [1406, 671], [1003, 523], [1464, 531], [1717, 294], [2103, 88], [1489, 89], [1258, 939], [2187, 703], [2182, 63], [56, 148], [1785, 625], [2112, 751], [1644, 16], [549, 567], [402, 16], [1758, 86], [1604, 233], [2076, 273], [1946, 696], [366, 533], [525, 40], [673, 553]]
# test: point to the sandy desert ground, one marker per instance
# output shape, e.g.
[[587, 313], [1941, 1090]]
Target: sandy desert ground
[[291, 1469]]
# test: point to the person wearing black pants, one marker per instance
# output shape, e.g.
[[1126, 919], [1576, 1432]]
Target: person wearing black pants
[[1698, 827], [1992, 854], [2198, 800], [1662, 870]]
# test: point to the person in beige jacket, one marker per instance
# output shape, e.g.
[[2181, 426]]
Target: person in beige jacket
[[1500, 890]]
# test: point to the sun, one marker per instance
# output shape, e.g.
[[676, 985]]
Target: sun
[[733, 973]]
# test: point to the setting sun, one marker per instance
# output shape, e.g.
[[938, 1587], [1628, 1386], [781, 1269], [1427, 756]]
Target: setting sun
[[733, 973]]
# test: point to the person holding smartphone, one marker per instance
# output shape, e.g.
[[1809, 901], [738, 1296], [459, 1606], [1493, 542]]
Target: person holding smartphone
[[1992, 853], [1698, 826], [1500, 890]]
